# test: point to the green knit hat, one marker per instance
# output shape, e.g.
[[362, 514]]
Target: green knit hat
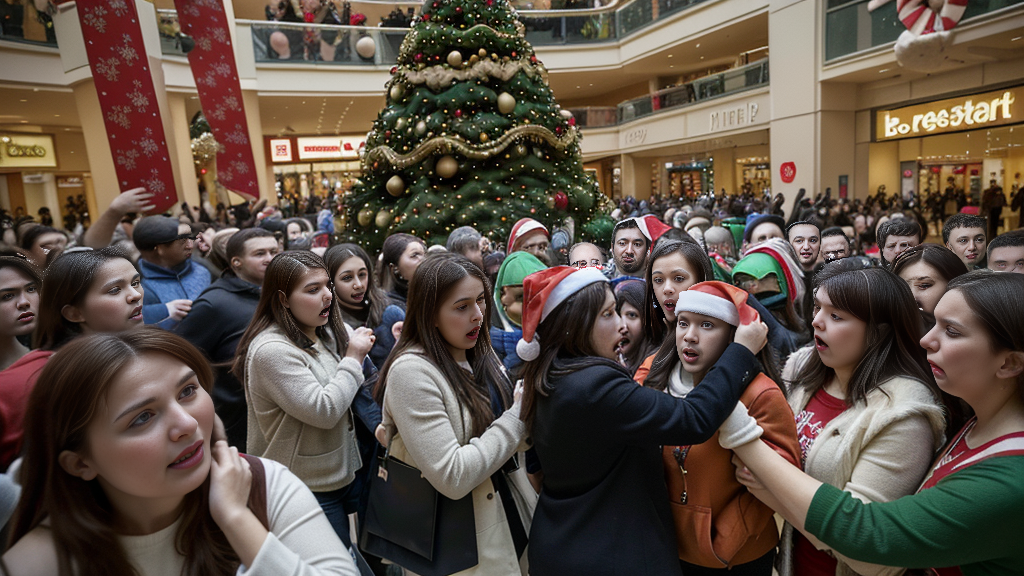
[[759, 265], [516, 267]]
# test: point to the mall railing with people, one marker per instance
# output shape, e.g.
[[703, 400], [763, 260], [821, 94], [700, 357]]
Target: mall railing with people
[[850, 28]]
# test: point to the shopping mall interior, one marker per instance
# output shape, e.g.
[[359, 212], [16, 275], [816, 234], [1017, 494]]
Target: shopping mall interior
[[671, 97]]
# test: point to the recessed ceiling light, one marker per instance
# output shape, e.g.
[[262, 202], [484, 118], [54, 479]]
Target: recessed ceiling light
[[579, 87], [24, 121], [56, 115], [669, 55], [698, 44], [883, 70], [701, 57], [1015, 39], [23, 100], [671, 66]]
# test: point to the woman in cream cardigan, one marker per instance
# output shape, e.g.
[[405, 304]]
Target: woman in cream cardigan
[[450, 411], [301, 370], [867, 410]]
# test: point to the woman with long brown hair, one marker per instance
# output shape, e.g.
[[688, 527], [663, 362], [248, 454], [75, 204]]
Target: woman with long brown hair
[[301, 369], [122, 475], [452, 411], [362, 301]]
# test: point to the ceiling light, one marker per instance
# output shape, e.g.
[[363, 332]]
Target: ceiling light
[[883, 70], [23, 100], [56, 115], [698, 44], [1015, 39], [701, 57], [669, 55], [671, 66]]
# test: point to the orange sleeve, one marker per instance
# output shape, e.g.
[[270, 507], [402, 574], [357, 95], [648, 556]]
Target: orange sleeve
[[644, 370]]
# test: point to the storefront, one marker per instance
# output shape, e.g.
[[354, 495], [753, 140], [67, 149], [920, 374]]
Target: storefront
[[960, 144], [305, 166], [37, 181]]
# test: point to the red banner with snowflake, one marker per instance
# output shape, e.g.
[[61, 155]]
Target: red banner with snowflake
[[120, 70], [220, 94]]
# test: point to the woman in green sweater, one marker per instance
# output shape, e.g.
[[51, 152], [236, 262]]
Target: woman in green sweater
[[968, 514]]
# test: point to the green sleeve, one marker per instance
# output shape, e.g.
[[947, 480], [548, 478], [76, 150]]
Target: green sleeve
[[971, 516]]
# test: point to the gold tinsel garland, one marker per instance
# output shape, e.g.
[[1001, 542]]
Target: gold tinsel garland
[[437, 77], [448, 144]]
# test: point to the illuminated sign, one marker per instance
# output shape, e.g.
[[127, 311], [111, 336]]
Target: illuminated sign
[[951, 115], [328, 148], [281, 150], [27, 151]]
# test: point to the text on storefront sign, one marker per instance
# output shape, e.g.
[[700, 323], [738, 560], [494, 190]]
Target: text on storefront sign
[[951, 115]]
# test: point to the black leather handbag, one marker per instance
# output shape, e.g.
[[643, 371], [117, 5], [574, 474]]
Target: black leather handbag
[[410, 524]]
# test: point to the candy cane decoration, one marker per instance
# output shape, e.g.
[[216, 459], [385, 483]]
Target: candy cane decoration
[[924, 17]]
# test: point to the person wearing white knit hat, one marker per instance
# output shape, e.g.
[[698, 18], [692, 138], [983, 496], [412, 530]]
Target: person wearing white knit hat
[[598, 435], [719, 524]]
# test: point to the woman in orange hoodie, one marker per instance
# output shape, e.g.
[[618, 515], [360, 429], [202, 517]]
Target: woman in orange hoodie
[[719, 524]]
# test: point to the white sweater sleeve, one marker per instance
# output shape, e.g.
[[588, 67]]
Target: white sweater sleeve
[[280, 375], [301, 541]]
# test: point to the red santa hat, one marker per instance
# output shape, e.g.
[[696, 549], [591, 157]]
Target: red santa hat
[[718, 300], [650, 226], [520, 229], [542, 292]]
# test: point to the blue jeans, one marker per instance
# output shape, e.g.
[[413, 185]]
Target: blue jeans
[[337, 505]]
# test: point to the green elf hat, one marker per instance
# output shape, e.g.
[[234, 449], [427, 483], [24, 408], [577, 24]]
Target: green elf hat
[[516, 267], [759, 265]]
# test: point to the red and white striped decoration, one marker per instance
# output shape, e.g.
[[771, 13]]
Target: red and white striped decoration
[[921, 18]]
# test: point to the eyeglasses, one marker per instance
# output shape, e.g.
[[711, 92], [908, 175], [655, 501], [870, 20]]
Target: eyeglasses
[[580, 264]]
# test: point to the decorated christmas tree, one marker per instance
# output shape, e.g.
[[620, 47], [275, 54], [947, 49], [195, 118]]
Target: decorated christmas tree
[[471, 135]]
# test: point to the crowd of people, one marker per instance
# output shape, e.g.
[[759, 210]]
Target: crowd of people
[[183, 396]]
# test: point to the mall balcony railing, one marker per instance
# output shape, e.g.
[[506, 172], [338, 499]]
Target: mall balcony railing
[[727, 83], [850, 28], [612, 22]]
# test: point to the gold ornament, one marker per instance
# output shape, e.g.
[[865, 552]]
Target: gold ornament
[[446, 167], [455, 59], [400, 124], [421, 127], [365, 216], [482, 53], [395, 185], [383, 218], [396, 91], [483, 137], [506, 103]]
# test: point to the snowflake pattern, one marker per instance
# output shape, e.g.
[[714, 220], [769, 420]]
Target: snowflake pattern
[[120, 115], [139, 100], [222, 69], [108, 68], [204, 44], [217, 114], [220, 35], [231, 103], [95, 18], [237, 136], [127, 52], [148, 147], [192, 10], [240, 167], [119, 7], [154, 183], [209, 79], [126, 159]]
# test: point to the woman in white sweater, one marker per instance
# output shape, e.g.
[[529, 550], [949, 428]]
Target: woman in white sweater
[[122, 474], [868, 413], [300, 370], [451, 411]]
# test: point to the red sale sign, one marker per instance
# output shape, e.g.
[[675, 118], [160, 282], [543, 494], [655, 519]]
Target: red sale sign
[[787, 172]]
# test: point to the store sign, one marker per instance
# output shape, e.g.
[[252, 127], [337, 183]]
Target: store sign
[[350, 146], [951, 115], [787, 171], [280, 150], [27, 151], [326, 148], [733, 117]]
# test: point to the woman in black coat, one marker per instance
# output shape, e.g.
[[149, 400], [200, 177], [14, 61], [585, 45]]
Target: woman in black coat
[[603, 508]]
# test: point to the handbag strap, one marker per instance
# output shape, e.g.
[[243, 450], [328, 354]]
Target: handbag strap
[[515, 523]]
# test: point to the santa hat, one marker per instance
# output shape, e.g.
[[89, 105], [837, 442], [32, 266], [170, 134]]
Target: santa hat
[[718, 300], [521, 228], [542, 292], [649, 226]]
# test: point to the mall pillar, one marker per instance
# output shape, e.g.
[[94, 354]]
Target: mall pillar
[[636, 177], [179, 140], [794, 66]]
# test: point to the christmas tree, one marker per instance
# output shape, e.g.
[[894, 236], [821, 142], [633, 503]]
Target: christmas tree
[[471, 135]]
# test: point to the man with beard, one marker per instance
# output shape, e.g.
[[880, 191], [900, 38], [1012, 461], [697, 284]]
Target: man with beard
[[631, 243]]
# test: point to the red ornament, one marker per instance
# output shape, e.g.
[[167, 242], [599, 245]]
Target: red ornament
[[559, 130], [418, 57], [393, 70], [513, 53], [387, 133], [426, 17], [309, 17], [561, 200], [458, 9], [490, 2], [572, 121], [533, 59], [458, 113]]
